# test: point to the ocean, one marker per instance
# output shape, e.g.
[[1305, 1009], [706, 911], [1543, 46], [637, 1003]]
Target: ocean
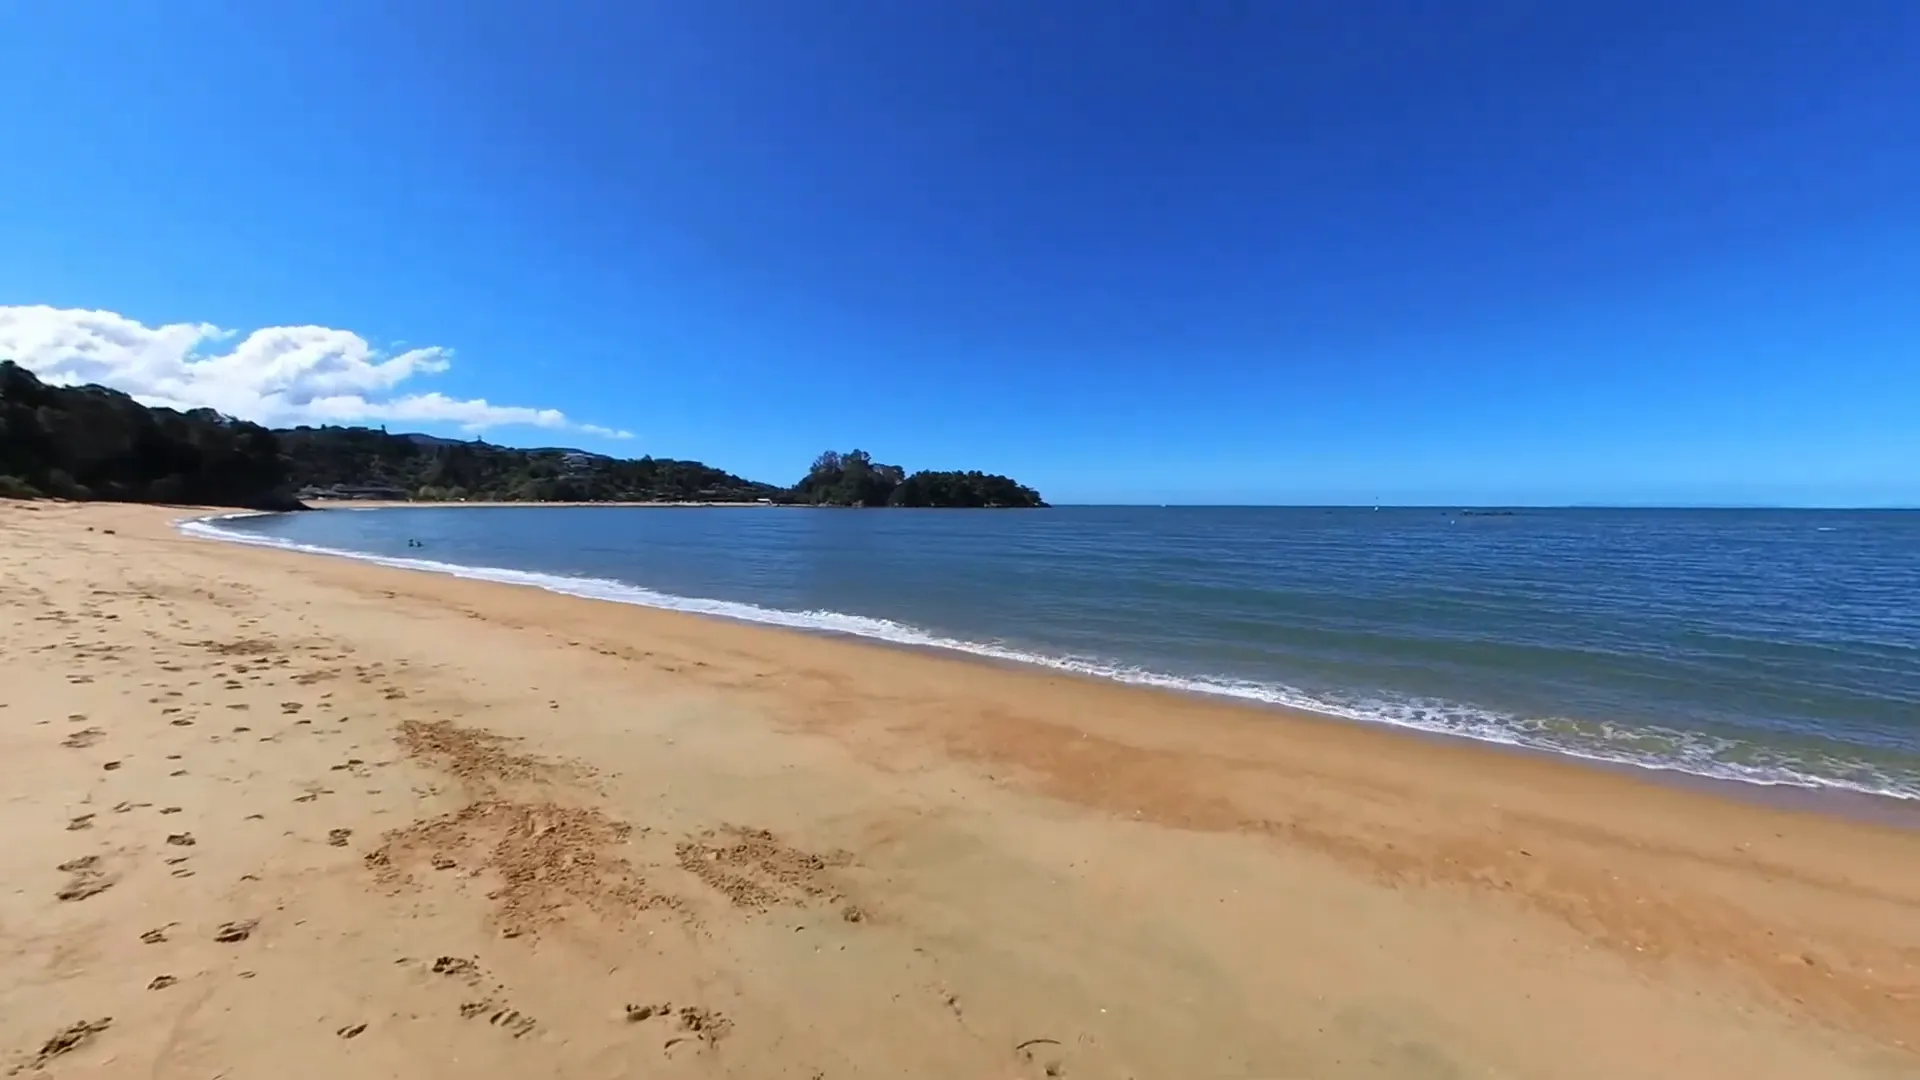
[[1768, 647]]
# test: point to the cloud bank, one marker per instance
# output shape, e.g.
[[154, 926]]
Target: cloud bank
[[281, 375]]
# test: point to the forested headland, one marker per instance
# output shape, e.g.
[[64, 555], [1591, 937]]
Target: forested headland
[[855, 479], [91, 442]]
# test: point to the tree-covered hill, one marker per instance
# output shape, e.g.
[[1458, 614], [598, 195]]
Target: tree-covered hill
[[428, 468], [90, 442], [855, 479]]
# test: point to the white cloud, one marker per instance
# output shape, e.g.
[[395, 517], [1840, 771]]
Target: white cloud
[[281, 375]]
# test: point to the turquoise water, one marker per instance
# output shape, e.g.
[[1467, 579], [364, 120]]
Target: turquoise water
[[1775, 647]]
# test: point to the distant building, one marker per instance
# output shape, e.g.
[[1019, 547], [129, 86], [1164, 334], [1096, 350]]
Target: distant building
[[354, 491]]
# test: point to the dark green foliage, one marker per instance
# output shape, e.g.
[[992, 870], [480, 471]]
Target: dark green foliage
[[12, 487], [89, 442], [855, 479], [423, 467], [849, 479], [976, 489]]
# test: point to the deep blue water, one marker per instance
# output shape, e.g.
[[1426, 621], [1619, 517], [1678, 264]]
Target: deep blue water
[[1767, 646]]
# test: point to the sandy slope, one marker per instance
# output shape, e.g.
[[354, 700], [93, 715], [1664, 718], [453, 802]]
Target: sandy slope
[[321, 819]]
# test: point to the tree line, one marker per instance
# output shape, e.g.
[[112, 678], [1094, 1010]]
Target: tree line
[[855, 479], [94, 443], [423, 467], [91, 442]]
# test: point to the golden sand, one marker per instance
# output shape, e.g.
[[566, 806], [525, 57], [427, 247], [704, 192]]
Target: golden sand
[[283, 816]]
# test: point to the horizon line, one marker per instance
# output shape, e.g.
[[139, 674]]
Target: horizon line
[[1446, 506]]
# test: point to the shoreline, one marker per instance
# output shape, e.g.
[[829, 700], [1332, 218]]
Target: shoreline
[[404, 504], [1876, 808], [1881, 807], [311, 817]]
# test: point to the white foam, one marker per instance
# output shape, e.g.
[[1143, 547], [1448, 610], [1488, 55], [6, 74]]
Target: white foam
[[1687, 752]]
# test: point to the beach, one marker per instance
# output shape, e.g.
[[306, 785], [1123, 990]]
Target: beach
[[275, 814]]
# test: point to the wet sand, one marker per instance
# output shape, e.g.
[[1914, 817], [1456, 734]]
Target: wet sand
[[277, 815]]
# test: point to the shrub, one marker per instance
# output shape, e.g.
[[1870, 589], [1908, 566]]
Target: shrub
[[12, 487]]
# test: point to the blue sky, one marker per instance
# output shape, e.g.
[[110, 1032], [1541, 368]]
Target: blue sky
[[1333, 251]]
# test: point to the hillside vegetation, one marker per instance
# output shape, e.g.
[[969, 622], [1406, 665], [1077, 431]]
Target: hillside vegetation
[[855, 479], [90, 442], [428, 468]]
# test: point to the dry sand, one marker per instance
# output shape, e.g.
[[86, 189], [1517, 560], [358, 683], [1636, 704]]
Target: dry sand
[[279, 816]]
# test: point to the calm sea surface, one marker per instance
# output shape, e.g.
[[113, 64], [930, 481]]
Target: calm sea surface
[[1765, 646]]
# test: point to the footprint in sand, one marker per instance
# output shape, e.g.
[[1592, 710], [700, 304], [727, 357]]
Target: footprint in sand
[[235, 932], [699, 1025], [459, 967], [513, 1021], [338, 837], [67, 1040], [87, 878]]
